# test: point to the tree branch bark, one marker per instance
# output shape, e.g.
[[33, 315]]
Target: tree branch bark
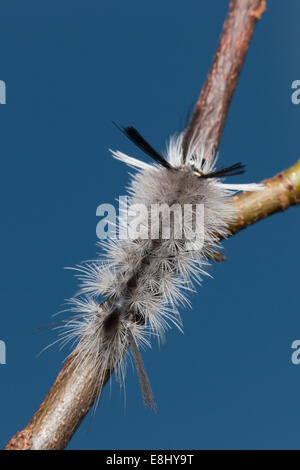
[[62, 411], [281, 192], [73, 393]]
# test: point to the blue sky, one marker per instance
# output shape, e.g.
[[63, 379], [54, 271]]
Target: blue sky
[[71, 67]]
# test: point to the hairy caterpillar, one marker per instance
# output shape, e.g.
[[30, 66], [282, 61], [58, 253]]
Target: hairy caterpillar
[[133, 291]]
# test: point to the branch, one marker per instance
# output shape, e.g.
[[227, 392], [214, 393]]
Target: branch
[[62, 411], [281, 192], [73, 392], [71, 396], [212, 106]]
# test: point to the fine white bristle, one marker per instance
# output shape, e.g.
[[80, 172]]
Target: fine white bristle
[[242, 187], [130, 160]]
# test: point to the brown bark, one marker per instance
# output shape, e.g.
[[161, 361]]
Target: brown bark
[[212, 106]]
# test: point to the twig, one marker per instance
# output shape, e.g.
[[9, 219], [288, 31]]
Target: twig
[[62, 411], [282, 191], [71, 396], [212, 107]]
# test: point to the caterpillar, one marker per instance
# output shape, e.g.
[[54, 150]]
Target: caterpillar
[[133, 290]]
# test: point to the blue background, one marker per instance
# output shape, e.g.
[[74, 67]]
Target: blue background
[[70, 68]]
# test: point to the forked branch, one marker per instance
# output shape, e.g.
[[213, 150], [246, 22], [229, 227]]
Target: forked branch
[[72, 394]]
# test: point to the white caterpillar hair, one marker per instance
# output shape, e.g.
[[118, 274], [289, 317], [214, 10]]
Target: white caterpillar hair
[[134, 289]]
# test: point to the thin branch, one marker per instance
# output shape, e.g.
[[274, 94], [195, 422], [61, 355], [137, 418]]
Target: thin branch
[[73, 392], [281, 192], [212, 107], [62, 411], [71, 396]]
